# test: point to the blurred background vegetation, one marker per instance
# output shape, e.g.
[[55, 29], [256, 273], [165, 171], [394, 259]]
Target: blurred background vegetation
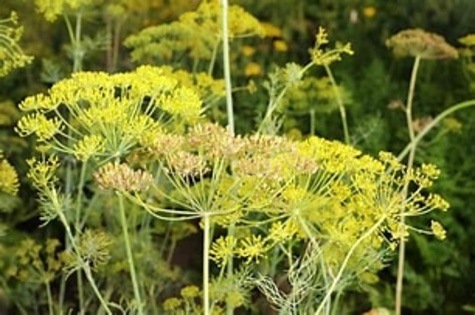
[[439, 276]]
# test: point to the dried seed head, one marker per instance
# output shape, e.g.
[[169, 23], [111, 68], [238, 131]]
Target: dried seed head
[[419, 43], [121, 177]]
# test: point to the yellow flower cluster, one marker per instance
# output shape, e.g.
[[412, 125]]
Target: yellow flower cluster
[[9, 183], [52, 8], [278, 191], [197, 33], [35, 263], [310, 93], [322, 56], [11, 55], [42, 173], [94, 114]]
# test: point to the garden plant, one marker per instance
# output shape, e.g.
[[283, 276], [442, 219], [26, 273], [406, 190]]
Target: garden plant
[[205, 157]]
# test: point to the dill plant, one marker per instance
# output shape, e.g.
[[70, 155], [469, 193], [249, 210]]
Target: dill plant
[[420, 45], [308, 217]]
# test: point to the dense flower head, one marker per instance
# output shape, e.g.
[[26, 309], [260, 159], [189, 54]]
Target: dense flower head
[[196, 33], [419, 43], [11, 54], [42, 173], [94, 247], [52, 8], [108, 114], [9, 183], [121, 177]]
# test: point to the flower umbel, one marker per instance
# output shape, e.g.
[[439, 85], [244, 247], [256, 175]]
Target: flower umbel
[[9, 183], [11, 54], [122, 178], [417, 42]]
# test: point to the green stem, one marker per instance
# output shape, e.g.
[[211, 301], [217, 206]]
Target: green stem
[[274, 102], [133, 276], [213, 57], [206, 242], [230, 114], [226, 65], [339, 101], [78, 53], [85, 267], [434, 123], [74, 37], [410, 164], [336, 280], [230, 266], [50, 299], [312, 122], [77, 229]]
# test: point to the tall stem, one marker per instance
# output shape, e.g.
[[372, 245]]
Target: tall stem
[[72, 242], [226, 66], [130, 259], [339, 101], [77, 229], [337, 278], [410, 163], [452, 109], [206, 242], [230, 114]]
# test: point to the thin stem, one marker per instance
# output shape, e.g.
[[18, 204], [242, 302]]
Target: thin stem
[[206, 242], [274, 101], [226, 66], [50, 299], [434, 123], [78, 53], [72, 242], [213, 57], [410, 163], [74, 37], [77, 229], [345, 262], [312, 122], [339, 101], [130, 259]]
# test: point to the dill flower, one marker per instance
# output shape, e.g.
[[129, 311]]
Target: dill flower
[[247, 50], [280, 45], [39, 125], [223, 249], [271, 30], [94, 247], [184, 102], [280, 232], [419, 43], [171, 304], [438, 230], [9, 183], [321, 56], [190, 292], [196, 33], [52, 8], [88, 147], [252, 248], [369, 12], [122, 178], [11, 54], [123, 109], [43, 173], [186, 164], [252, 69]]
